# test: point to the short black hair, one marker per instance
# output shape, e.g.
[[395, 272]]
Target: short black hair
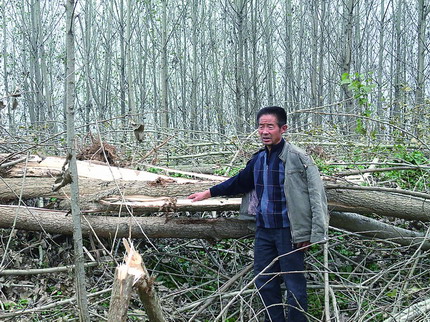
[[278, 111]]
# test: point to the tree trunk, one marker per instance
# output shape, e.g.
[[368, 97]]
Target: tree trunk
[[268, 36], [341, 198], [239, 8], [381, 203], [121, 294], [381, 50], [81, 294], [375, 229], [133, 270], [348, 13], [58, 222], [10, 112], [423, 11], [164, 93]]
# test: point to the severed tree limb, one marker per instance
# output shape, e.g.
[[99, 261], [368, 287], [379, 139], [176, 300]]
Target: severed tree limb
[[418, 194], [11, 163], [194, 175], [41, 271], [20, 313], [221, 290], [362, 171]]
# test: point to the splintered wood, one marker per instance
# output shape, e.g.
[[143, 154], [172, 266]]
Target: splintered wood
[[133, 273]]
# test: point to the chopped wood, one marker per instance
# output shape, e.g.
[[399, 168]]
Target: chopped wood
[[42, 271]]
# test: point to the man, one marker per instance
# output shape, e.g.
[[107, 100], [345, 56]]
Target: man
[[291, 213]]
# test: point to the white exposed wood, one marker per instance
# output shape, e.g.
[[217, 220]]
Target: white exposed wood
[[414, 311], [187, 173], [91, 169], [166, 204]]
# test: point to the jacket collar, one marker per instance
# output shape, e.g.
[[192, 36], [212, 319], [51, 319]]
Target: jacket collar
[[284, 152]]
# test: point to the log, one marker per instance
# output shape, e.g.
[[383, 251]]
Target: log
[[94, 190], [386, 203], [54, 221], [52, 166], [142, 204], [100, 192], [377, 202], [375, 229]]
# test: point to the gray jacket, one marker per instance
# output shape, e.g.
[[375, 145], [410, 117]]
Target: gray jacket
[[305, 195]]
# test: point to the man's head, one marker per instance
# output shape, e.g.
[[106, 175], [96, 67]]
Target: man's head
[[271, 122]]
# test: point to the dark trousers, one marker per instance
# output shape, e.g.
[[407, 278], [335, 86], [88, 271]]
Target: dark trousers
[[269, 244]]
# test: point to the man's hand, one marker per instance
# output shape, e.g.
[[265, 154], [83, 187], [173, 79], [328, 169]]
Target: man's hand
[[200, 195], [303, 245]]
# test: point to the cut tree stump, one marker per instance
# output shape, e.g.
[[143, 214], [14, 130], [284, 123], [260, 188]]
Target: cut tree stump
[[133, 273]]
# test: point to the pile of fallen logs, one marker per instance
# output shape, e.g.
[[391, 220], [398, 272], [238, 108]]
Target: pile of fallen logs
[[121, 197]]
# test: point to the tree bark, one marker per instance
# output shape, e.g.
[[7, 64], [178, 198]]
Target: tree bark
[[121, 294], [378, 202], [133, 272], [81, 293], [36, 219], [110, 193], [375, 229], [55, 221]]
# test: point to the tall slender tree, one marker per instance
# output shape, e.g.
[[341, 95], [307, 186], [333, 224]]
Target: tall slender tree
[[81, 294]]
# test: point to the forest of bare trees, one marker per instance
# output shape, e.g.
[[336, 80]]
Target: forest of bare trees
[[161, 97], [210, 65]]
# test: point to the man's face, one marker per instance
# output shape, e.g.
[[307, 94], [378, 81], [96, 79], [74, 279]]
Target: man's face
[[269, 130]]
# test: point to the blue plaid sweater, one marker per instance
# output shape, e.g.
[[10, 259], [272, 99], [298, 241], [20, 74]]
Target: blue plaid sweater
[[265, 173]]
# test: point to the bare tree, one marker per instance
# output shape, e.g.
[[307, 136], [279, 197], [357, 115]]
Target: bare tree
[[81, 293]]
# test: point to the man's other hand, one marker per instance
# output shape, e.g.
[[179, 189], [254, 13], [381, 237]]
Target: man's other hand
[[200, 195], [303, 245]]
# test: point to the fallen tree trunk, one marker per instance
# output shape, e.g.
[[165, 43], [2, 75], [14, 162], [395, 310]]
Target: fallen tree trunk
[[375, 229], [377, 202], [52, 221], [36, 219], [109, 193], [52, 166], [94, 190]]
